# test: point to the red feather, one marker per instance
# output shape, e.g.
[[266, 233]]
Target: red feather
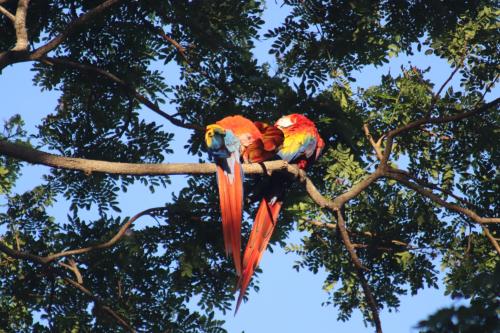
[[267, 214]]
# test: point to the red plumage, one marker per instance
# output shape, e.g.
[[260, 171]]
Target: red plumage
[[227, 140], [302, 145]]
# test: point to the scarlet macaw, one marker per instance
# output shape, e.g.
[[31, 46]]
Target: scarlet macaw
[[227, 140], [302, 145]]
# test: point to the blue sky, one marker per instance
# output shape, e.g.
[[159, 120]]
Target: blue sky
[[288, 301]]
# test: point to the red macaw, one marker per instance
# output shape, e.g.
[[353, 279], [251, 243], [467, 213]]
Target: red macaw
[[227, 140], [302, 145]]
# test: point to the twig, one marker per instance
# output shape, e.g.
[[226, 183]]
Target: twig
[[333, 226], [126, 85], [100, 303], [105, 245], [376, 145], [71, 265], [359, 271]]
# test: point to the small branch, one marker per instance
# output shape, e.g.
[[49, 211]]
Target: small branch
[[443, 119], [492, 239], [431, 133], [488, 87], [100, 303], [333, 226], [433, 186], [74, 268], [127, 86], [405, 180], [428, 120], [73, 27], [445, 83], [375, 145], [359, 271], [179, 47], [108, 244], [8, 14]]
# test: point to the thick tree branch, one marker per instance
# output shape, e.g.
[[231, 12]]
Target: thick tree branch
[[34, 156], [20, 26], [372, 303], [126, 85]]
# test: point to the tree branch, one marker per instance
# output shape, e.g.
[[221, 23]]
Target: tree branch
[[436, 120], [43, 261], [100, 303], [20, 26], [13, 56], [333, 226], [359, 271], [376, 145], [405, 180], [88, 166], [71, 265], [121, 232], [73, 27], [433, 186], [8, 14], [126, 85]]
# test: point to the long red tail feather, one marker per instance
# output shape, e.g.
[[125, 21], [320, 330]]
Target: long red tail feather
[[264, 224], [231, 204]]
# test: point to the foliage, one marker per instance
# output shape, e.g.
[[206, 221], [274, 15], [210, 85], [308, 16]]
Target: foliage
[[172, 274]]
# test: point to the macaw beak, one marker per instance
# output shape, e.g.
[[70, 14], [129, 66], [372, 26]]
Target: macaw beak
[[211, 132]]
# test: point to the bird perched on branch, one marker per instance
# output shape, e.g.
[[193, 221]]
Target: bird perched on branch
[[302, 145], [228, 141]]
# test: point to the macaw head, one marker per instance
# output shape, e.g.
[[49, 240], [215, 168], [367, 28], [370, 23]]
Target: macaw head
[[293, 119], [214, 137]]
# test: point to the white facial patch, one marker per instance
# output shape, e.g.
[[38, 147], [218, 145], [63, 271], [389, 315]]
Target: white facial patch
[[284, 122]]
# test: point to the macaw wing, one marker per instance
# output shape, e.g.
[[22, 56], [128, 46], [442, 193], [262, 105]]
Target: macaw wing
[[266, 147], [301, 144]]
